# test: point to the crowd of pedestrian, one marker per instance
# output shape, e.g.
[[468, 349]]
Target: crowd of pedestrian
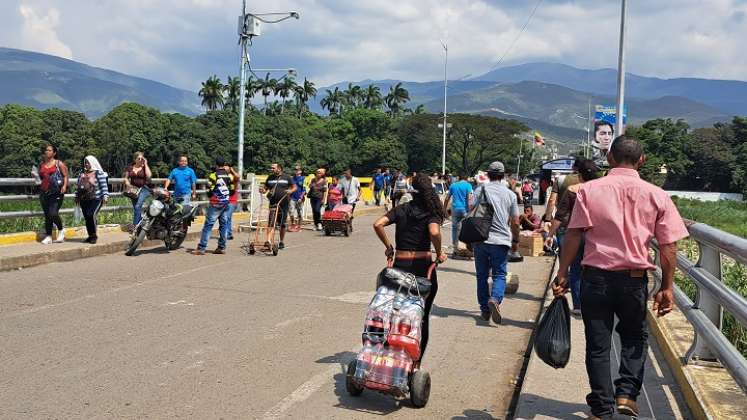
[[602, 226]]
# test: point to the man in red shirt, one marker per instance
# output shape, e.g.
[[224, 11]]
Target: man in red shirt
[[618, 216]]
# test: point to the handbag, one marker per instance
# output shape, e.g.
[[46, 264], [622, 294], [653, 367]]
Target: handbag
[[476, 224], [131, 192]]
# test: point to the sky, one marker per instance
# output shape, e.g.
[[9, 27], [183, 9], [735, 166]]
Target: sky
[[183, 42]]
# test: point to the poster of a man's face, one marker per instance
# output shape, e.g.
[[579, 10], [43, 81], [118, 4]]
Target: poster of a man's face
[[603, 135]]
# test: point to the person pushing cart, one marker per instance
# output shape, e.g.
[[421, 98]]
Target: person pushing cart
[[278, 187]]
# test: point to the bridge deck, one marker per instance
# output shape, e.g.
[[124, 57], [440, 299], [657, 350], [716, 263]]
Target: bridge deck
[[235, 336]]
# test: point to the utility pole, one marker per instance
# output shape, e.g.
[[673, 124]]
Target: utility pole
[[619, 130], [587, 146], [518, 164], [242, 90], [443, 151]]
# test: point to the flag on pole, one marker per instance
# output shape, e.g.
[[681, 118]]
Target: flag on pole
[[538, 139]]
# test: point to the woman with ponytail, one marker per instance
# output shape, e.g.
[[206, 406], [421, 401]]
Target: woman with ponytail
[[417, 226]]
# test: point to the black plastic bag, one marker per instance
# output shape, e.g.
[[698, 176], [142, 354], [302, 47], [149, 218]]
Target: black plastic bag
[[553, 340]]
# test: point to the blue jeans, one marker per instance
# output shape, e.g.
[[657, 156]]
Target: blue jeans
[[574, 272], [137, 205], [222, 213], [490, 257], [184, 200], [231, 209], [456, 225]]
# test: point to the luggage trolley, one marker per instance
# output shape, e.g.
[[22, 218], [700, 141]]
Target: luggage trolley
[[389, 361], [259, 241]]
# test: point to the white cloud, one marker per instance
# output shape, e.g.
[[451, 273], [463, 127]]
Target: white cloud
[[183, 42], [38, 32]]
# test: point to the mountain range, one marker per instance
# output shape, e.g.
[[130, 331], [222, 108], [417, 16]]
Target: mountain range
[[45, 81], [550, 97]]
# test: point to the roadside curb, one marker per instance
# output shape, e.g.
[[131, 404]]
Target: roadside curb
[[697, 406], [47, 255]]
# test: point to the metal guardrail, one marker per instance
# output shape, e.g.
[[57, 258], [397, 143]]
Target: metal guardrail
[[30, 182], [712, 297]]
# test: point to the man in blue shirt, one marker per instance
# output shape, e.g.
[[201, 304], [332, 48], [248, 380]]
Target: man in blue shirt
[[460, 195], [184, 180], [297, 199], [379, 181]]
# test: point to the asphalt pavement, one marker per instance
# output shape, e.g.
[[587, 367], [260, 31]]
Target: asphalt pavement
[[169, 334]]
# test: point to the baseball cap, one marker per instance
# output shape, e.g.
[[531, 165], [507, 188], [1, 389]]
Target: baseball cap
[[496, 167]]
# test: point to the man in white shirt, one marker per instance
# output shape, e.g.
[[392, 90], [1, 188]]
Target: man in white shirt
[[350, 187]]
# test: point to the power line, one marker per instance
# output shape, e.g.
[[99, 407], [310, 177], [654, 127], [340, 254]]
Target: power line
[[510, 47]]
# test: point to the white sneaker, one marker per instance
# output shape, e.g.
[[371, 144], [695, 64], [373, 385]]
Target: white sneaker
[[47, 240], [60, 237], [319, 226]]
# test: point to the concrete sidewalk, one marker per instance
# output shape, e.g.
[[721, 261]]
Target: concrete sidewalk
[[548, 393], [111, 240]]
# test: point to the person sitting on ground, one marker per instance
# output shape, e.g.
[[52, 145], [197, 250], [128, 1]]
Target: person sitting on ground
[[417, 226], [529, 220]]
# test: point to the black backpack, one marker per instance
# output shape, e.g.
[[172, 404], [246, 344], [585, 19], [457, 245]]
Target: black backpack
[[476, 224]]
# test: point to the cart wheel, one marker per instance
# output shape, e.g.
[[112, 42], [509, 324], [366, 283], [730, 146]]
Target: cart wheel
[[353, 388], [420, 389], [327, 232], [347, 230], [251, 249], [275, 249]]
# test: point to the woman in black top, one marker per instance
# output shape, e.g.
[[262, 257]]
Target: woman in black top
[[417, 225]]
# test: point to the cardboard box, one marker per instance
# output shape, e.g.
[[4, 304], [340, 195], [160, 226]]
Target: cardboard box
[[531, 244]]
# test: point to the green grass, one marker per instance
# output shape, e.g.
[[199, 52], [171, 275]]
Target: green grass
[[730, 217]]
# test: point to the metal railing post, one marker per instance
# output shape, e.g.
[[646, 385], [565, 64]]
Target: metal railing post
[[710, 261]]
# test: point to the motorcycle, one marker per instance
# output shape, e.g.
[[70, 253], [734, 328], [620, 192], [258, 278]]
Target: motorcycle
[[164, 220]]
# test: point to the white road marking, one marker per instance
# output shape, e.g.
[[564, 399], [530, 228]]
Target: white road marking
[[302, 393], [305, 390]]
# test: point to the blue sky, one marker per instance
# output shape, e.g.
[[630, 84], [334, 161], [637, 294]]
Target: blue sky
[[182, 42]]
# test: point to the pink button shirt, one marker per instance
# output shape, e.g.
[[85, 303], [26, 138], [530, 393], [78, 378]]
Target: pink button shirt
[[620, 214]]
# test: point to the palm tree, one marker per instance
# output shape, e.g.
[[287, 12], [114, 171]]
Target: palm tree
[[353, 95], [268, 88], [284, 89], [211, 93], [372, 97], [274, 108], [333, 101], [253, 85], [303, 94], [232, 91], [397, 97]]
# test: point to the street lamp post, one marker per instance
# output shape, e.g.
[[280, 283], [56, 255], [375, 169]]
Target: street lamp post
[[443, 150], [619, 130], [249, 26]]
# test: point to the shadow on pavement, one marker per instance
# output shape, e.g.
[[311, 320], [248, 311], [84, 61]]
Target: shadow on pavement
[[455, 270], [518, 324], [342, 358], [475, 414], [536, 405], [443, 312]]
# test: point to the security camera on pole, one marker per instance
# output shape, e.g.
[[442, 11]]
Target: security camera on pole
[[250, 25]]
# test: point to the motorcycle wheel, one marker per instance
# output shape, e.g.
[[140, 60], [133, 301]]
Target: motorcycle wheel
[[177, 242], [137, 238]]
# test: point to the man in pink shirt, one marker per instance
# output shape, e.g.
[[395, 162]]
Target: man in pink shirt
[[618, 216]]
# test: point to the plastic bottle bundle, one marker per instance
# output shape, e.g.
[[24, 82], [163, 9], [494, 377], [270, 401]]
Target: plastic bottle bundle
[[383, 368], [378, 316], [405, 331]]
